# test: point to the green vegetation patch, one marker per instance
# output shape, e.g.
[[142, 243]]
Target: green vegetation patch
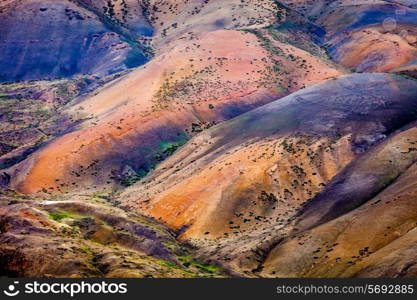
[[59, 216], [132, 179], [169, 148], [188, 261]]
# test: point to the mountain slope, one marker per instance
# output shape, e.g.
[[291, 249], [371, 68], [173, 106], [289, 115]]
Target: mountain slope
[[382, 37], [190, 138], [352, 119], [362, 224], [88, 236], [150, 112], [173, 19], [246, 178], [45, 39], [368, 36]]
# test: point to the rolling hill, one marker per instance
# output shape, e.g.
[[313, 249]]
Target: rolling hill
[[191, 138]]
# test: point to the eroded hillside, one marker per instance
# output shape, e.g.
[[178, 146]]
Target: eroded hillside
[[189, 138], [245, 181], [153, 110]]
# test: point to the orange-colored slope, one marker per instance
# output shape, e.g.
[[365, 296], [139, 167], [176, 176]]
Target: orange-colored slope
[[374, 239], [130, 121], [377, 36], [254, 172], [370, 50], [173, 19]]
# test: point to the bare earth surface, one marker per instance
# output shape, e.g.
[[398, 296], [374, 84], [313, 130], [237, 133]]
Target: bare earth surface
[[208, 138]]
